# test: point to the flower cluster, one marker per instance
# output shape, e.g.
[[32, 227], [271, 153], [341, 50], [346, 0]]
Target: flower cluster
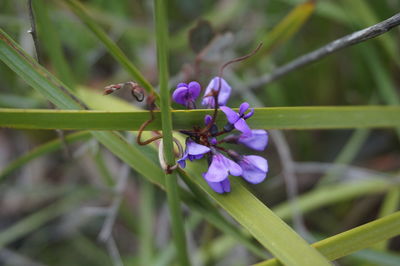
[[206, 141]]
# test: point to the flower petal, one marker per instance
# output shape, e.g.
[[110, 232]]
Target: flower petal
[[220, 187], [193, 148], [224, 92], [182, 161], [231, 115], [255, 168], [242, 126], [181, 85], [207, 119], [249, 114], [234, 168], [179, 95], [257, 141], [194, 90], [243, 108], [218, 169]]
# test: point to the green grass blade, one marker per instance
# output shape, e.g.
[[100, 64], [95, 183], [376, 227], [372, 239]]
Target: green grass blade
[[48, 147], [171, 181], [355, 239], [35, 75], [261, 222], [114, 50], [264, 118]]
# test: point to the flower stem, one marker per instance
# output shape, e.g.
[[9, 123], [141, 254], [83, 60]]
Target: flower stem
[[170, 177]]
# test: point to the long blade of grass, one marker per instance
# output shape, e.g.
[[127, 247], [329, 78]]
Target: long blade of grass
[[171, 178], [261, 222], [355, 239], [264, 118]]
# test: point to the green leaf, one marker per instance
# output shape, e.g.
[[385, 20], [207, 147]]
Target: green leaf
[[171, 181], [355, 239], [264, 118], [261, 222]]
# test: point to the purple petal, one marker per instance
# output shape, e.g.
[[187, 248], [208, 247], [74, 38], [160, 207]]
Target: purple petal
[[213, 141], [224, 92], [249, 114], [217, 170], [257, 141], [179, 95], [182, 161], [220, 187], [234, 168], [231, 115], [220, 168], [242, 126], [195, 157], [255, 168], [181, 85], [194, 90], [193, 148], [207, 119], [243, 108]]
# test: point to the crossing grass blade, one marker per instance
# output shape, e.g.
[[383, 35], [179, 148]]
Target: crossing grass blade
[[264, 118], [355, 239]]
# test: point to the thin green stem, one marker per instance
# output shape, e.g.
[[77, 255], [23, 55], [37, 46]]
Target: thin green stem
[[171, 184]]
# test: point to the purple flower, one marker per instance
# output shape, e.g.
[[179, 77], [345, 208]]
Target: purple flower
[[258, 139], [238, 119], [220, 168], [193, 151], [254, 168], [186, 94], [220, 187], [223, 96]]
